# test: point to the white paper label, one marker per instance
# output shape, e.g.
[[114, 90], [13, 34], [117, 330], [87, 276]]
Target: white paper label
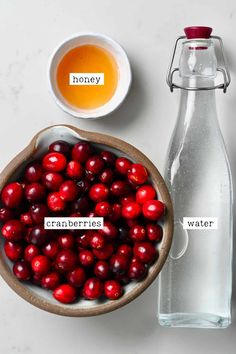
[[86, 79], [200, 223], [67, 223]]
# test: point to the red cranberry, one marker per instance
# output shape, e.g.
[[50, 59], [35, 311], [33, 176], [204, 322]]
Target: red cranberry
[[123, 165], [132, 222], [103, 209], [33, 172], [137, 270], [21, 269], [12, 195], [94, 164], [76, 277], [89, 176], [137, 233], [41, 264], [30, 252], [127, 199], [153, 209], [52, 180], [51, 281], [38, 235], [137, 174], [13, 230], [119, 264], [74, 170], [35, 192], [109, 230], [51, 249], [125, 250], [81, 205], [119, 188], [115, 213], [60, 146], [105, 252], [154, 232], [65, 293], [145, 252], [13, 251], [98, 192], [68, 191], [112, 289], [26, 219], [106, 176], [93, 289], [66, 241], [97, 241], [83, 186], [145, 193], [54, 162], [109, 158], [131, 210], [122, 279], [66, 260], [86, 258], [102, 270], [81, 151], [38, 212], [6, 215], [55, 203]]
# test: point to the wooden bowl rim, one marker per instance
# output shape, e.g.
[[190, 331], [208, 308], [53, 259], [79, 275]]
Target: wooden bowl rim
[[158, 181]]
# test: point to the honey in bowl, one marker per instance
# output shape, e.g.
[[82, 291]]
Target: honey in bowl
[[87, 59]]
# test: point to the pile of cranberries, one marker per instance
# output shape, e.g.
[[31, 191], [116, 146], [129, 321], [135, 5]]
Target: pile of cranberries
[[79, 181]]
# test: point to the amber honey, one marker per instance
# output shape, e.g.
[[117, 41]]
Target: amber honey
[[87, 59]]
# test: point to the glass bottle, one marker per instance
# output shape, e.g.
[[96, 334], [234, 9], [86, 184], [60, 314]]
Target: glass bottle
[[196, 282]]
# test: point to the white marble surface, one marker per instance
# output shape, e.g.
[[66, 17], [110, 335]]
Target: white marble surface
[[29, 32]]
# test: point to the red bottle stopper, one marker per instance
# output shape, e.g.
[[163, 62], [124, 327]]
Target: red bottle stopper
[[198, 32]]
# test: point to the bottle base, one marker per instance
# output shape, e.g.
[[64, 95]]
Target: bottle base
[[194, 320]]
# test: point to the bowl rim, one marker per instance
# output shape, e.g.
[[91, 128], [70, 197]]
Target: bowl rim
[[158, 181]]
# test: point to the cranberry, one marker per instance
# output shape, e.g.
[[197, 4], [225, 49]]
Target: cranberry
[[60, 146], [131, 210], [55, 203], [89, 176], [145, 193], [26, 219], [81, 151], [51, 249], [127, 199], [84, 240], [105, 252], [30, 252], [109, 230], [154, 232], [33, 172], [13, 251], [65, 293], [119, 188], [74, 170], [123, 234], [125, 250], [6, 215], [81, 205], [137, 270], [76, 277], [123, 165], [13, 230], [54, 162], [97, 241], [106, 176], [102, 270], [12, 195], [93, 289], [115, 213], [103, 209], [109, 158], [38, 212], [145, 252], [137, 233], [21, 269], [52, 180], [137, 174], [66, 241], [69, 191], [98, 192], [83, 186], [38, 235], [51, 281], [66, 260], [86, 258], [94, 164], [41, 264], [112, 289], [153, 209], [35, 192], [119, 264]]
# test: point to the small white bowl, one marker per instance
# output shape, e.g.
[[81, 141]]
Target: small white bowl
[[124, 72]]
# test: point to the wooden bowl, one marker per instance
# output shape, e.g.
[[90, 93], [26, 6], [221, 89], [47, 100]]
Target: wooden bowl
[[44, 299]]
